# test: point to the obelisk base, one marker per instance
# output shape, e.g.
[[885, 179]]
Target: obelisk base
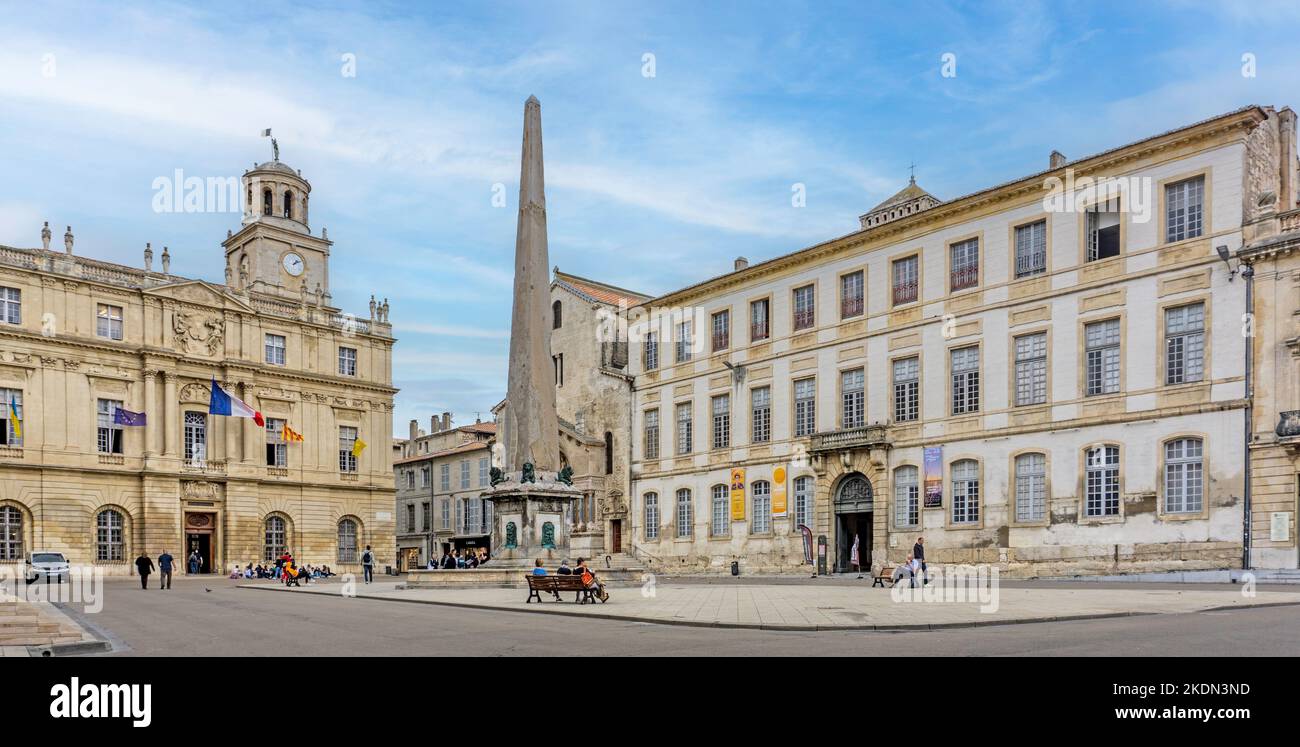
[[531, 521]]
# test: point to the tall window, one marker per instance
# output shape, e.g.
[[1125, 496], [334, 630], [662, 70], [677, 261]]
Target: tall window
[[464, 474], [805, 315], [108, 321], [651, 445], [907, 501], [1102, 481], [410, 517], [721, 505], [410, 479], [347, 361], [446, 513], [1185, 209], [761, 494], [288, 204], [721, 408], [685, 514], [761, 422], [851, 295], [758, 320], [964, 264], [196, 437], [109, 433], [965, 380], [652, 516], [11, 403], [348, 541], [1184, 476], [273, 544], [906, 283], [109, 546], [275, 350], [1031, 487], [684, 342], [651, 351], [1185, 344], [277, 451], [1031, 249], [684, 428], [853, 398], [803, 501], [805, 407], [1102, 228], [1101, 340], [424, 476], [347, 440], [11, 305], [907, 390], [965, 492], [484, 471], [11, 534], [1031, 369], [721, 328], [444, 477], [557, 315]]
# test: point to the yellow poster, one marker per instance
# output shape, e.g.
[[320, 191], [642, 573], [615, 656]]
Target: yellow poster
[[778, 491], [738, 494]]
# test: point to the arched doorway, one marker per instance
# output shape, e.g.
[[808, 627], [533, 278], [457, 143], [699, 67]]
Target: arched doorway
[[854, 506]]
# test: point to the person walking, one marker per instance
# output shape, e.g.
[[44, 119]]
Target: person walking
[[144, 566], [368, 565], [165, 570], [194, 562], [855, 555], [918, 553]]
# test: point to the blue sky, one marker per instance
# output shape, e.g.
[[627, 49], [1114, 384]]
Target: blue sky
[[652, 182]]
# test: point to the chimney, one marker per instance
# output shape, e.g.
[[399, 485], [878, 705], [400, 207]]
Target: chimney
[[435, 423], [1056, 160], [741, 264], [446, 420], [415, 430]]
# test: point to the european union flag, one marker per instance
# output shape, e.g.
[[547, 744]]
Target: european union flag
[[126, 417]]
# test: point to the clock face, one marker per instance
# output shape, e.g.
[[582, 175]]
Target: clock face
[[293, 264]]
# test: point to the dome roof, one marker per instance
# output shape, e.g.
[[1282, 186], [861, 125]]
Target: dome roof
[[276, 166]]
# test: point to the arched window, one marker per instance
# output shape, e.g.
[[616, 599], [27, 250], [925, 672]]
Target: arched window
[[1101, 484], [1031, 487], [685, 514], [11, 533], [803, 501], [108, 536], [609, 453], [965, 492], [347, 540], [762, 495], [907, 497], [275, 537], [556, 320], [266, 202], [1184, 476], [288, 203], [721, 512], [652, 516]]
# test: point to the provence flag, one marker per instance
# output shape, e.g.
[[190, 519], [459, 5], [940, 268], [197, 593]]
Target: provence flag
[[222, 403], [128, 418], [357, 446], [13, 418], [290, 435]]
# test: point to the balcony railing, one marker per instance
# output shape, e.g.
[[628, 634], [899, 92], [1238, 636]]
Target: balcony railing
[[965, 277], [205, 467], [851, 438], [1288, 424], [904, 292]]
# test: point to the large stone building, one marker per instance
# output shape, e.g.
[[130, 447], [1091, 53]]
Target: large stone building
[[1046, 374], [81, 339]]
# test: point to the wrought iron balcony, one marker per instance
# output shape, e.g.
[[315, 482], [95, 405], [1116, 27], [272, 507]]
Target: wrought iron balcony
[[851, 438]]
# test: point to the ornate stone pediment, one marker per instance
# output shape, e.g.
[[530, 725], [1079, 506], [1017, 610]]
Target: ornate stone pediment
[[198, 333], [199, 489], [612, 504], [200, 293]]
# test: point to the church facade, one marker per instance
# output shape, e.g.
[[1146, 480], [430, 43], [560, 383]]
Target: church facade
[[1046, 375], [87, 347]]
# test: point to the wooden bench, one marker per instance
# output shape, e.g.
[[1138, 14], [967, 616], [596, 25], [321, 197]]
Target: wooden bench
[[886, 575], [556, 584]]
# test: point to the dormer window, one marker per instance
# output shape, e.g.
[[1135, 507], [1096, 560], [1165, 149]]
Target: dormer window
[[288, 204]]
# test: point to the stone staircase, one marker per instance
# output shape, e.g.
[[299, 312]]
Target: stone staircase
[[25, 624]]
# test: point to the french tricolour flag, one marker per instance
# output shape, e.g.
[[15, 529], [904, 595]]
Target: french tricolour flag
[[224, 404]]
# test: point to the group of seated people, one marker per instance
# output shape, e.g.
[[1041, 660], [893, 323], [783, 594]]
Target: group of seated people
[[458, 559], [282, 571], [581, 569]]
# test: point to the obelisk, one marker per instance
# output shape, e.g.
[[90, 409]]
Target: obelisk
[[532, 430], [530, 497]]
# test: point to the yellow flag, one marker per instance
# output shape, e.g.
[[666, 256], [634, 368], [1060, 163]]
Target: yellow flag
[[17, 421], [290, 435], [357, 446]]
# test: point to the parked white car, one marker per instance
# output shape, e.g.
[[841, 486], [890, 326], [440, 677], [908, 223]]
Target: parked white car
[[47, 566]]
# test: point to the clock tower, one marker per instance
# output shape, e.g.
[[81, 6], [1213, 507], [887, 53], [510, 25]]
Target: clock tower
[[274, 252]]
